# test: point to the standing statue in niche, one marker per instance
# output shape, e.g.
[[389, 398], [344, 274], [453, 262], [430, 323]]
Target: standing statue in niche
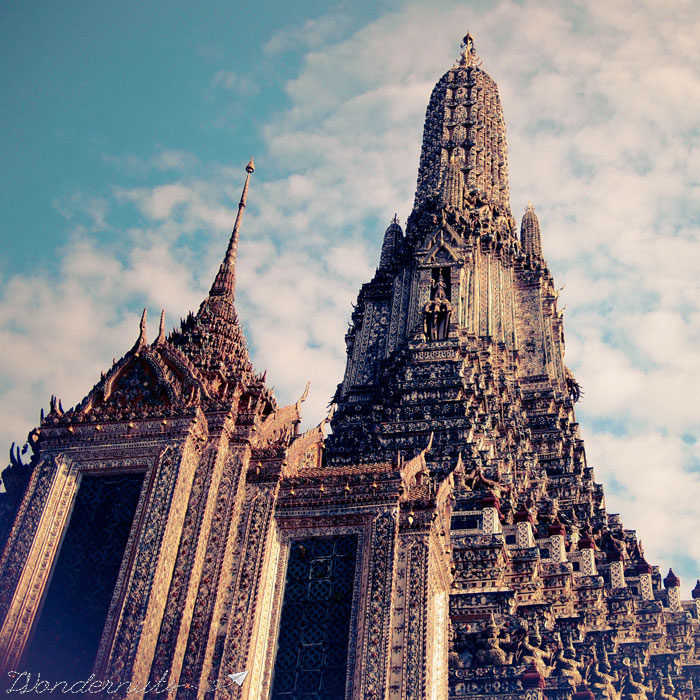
[[437, 311]]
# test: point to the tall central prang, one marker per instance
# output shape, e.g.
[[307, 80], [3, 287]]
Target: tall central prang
[[460, 318], [455, 352]]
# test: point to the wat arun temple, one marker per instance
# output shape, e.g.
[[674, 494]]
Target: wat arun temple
[[439, 535]]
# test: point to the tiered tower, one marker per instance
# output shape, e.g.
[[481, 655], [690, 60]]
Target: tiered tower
[[175, 533], [457, 343]]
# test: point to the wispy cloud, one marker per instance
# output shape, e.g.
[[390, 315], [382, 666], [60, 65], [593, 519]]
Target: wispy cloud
[[161, 160], [229, 80], [314, 33]]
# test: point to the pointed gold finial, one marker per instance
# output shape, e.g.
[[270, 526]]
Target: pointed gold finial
[[468, 56], [304, 396], [250, 168]]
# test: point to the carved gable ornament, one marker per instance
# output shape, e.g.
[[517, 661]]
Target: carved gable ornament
[[306, 451], [146, 381], [442, 247]]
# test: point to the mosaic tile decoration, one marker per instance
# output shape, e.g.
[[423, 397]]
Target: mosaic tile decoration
[[312, 646]]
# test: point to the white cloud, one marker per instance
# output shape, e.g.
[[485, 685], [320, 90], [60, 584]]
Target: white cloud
[[228, 80], [313, 33]]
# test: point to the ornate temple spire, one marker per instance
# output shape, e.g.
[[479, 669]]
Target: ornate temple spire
[[213, 338], [392, 236], [225, 281], [530, 237], [464, 131]]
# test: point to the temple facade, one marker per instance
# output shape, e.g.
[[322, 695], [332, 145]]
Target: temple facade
[[439, 535]]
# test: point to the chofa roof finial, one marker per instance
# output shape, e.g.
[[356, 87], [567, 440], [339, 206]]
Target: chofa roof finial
[[142, 330], [161, 329]]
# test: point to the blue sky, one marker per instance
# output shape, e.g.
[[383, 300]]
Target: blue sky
[[126, 128], [85, 84]]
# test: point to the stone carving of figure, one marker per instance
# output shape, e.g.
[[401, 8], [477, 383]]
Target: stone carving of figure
[[611, 543], [566, 668], [631, 684], [546, 511], [664, 690], [599, 681], [466, 657], [477, 204], [525, 652], [470, 199], [572, 386], [475, 480], [491, 653], [462, 655], [437, 311], [500, 222]]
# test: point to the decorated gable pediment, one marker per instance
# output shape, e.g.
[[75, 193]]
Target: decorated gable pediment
[[306, 451], [442, 246], [146, 381], [140, 383], [444, 235], [415, 471]]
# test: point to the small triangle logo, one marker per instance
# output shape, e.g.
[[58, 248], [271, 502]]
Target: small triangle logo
[[238, 677]]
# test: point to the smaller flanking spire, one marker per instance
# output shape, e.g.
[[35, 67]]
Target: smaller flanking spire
[[392, 237], [225, 282], [530, 237]]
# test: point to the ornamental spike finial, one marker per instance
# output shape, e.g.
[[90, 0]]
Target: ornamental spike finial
[[303, 397], [225, 281], [468, 56], [141, 341], [161, 329]]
